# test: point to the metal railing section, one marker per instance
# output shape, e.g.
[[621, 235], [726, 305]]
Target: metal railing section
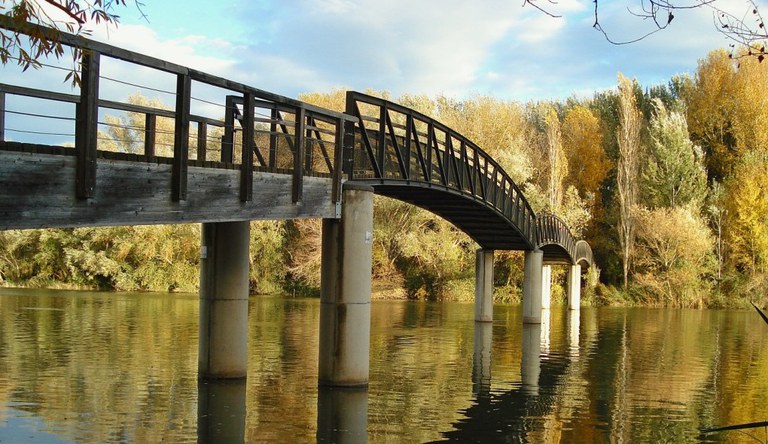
[[396, 143]]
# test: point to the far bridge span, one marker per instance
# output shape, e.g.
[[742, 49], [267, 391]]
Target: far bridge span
[[270, 157]]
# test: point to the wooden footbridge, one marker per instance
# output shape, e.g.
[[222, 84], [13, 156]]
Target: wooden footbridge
[[269, 157]]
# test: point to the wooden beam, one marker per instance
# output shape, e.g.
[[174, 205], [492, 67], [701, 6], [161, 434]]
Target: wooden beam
[[181, 138], [228, 140], [86, 126], [202, 140], [150, 135]]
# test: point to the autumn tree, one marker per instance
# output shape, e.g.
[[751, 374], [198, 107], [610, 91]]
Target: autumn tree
[[674, 173], [747, 216], [588, 164], [674, 256], [627, 180]]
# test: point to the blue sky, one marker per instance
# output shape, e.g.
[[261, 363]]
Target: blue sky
[[455, 48], [449, 47]]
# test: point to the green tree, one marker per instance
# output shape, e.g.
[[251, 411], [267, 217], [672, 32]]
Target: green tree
[[674, 173]]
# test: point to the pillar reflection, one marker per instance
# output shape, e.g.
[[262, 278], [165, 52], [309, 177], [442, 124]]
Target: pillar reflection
[[531, 358], [481, 359], [574, 325], [221, 411], [342, 415]]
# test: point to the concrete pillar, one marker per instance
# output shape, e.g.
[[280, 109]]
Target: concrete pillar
[[530, 362], [224, 260], [481, 359], [484, 285], [221, 411], [546, 287], [574, 287], [342, 415], [345, 291], [532, 287]]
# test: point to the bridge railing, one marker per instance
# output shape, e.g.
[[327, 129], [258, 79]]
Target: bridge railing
[[396, 143], [259, 131]]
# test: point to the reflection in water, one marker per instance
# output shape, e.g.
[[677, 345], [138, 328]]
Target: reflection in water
[[221, 411], [574, 323], [481, 359], [122, 368], [530, 368], [342, 415]]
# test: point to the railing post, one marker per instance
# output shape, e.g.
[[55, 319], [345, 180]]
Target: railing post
[[202, 140], [2, 116], [338, 159], [298, 156], [273, 137], [150, 135], [246, 168], [86, 126], [181, 138], [408, 145], [308, 144], [381, 140], [228, 140]]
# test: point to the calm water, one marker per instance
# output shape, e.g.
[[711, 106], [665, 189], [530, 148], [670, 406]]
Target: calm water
[[122, 368]]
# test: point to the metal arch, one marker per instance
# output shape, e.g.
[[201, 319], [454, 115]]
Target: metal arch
[[558, 244], [409, 156]]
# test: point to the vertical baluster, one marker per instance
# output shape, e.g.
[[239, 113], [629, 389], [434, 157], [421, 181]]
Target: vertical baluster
[[228, 140], [2, 116], [246, 168], [150, 136], [298, 155], [381, 140], [273, 137], [202, 140], [181, 138], [86, 126]]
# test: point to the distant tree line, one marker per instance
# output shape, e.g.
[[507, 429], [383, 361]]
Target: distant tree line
[[667, 183]]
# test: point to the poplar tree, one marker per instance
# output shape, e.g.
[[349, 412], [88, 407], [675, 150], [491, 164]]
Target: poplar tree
[[630, 121]]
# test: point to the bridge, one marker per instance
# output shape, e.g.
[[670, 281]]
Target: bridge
[[269, 157]]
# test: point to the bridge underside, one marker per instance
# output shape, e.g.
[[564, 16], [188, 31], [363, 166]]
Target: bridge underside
[[38, 191], [555, 255], [482, 223]]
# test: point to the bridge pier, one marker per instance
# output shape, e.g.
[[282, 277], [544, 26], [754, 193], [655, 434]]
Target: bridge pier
[[546, 287], [484, 285], [345, 291], [532, 287], [224, 260], [574, 287]]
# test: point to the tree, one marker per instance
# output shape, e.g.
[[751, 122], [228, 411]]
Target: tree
[[674, 174], [747, 214], [557, 162], [32, 28], [588, 164], [630, 121], [674, 255]]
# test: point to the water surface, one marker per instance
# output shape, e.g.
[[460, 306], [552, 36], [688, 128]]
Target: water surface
[[122, 368]]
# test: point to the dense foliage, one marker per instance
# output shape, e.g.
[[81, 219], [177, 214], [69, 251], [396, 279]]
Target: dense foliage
[[667, 183]]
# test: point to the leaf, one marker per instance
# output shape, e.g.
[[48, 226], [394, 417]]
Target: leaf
[[671, 17]]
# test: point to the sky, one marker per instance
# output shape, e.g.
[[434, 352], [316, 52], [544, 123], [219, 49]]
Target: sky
[[430, 47]]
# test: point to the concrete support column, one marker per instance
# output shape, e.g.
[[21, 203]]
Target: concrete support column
[[345, 291], [546, 287], [574, 287], [532, 287], [484, 286], [223, 342]]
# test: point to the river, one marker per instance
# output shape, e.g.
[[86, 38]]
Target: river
[[122, 368]]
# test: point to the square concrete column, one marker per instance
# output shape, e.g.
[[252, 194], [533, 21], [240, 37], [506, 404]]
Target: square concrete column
[[532, 287], [484, 285], [574, 287], [224, 262], [546, 287], [345, 291]]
